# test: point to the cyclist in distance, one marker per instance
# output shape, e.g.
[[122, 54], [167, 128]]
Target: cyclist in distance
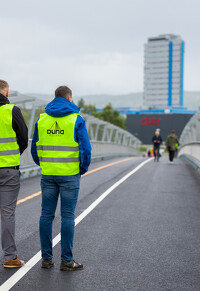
[[157, 141]]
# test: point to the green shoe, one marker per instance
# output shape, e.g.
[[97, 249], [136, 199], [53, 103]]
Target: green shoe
[[70, 266], [47, 263]]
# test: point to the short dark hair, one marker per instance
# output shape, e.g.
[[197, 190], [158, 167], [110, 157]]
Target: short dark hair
[[63, 91], [3, 85], [173, 131]]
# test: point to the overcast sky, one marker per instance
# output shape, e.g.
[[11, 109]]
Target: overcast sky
[[93, 46]]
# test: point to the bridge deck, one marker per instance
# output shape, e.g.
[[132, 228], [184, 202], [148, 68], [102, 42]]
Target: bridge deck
[[145, 235]]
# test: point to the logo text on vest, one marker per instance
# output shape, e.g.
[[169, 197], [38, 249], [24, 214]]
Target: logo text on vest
[[55, 129]]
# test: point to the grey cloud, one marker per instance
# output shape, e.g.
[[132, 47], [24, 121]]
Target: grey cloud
[[71, 41]]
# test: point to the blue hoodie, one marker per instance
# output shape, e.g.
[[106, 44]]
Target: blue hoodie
[[60, 107]]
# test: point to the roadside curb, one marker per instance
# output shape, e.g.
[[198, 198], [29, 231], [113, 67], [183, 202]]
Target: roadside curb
[[192, 161]]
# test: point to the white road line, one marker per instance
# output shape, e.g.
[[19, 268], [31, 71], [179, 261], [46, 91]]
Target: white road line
[[7, 285]]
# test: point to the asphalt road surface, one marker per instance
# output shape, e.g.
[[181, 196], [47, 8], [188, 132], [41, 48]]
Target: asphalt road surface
[[144, 235]]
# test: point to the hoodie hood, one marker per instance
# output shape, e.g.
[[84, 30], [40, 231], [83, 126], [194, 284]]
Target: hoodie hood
[[60, 107], [3, 100]]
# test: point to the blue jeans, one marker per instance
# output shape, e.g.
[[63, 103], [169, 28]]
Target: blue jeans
[[68, 187], [156, 151]]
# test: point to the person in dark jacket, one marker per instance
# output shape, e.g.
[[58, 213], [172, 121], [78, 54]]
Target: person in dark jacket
[[13, 142], [61, 147], [157, 141], [171, 142]]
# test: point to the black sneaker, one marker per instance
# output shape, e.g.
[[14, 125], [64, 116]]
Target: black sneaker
[[70, 266], [47, 263]]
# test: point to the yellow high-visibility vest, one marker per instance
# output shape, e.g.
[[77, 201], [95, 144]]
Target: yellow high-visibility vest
[[56, 148], [9, 148]]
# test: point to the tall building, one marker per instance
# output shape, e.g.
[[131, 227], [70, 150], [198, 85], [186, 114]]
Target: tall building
[[163, 71]]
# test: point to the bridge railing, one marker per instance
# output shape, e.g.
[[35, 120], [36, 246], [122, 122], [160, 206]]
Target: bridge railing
[[107, 141], [110, 140], [190, 142]]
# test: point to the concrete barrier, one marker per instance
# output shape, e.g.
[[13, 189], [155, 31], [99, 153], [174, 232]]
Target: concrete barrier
[[191, 153], [103, 149]]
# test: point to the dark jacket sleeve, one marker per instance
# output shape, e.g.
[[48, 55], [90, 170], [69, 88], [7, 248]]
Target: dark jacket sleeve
[[167, 141], [81, 136], [19, 126], [33, 145]]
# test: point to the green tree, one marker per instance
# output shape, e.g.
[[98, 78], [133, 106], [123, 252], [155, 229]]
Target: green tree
[[108, 114], [90, 109], [113, 116], [81, 103]]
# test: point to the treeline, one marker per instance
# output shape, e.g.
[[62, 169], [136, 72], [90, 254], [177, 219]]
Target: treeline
[[107, 114]]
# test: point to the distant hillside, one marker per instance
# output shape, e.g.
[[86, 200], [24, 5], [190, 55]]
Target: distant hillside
[[100, 100], [128, 100], [191, 99]]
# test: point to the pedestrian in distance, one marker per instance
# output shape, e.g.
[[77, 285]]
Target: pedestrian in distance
[[13, 142], [61, 147], [157, 141], [171, 142]]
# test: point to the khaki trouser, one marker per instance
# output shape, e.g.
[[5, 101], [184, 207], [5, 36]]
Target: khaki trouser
[[9, 190]]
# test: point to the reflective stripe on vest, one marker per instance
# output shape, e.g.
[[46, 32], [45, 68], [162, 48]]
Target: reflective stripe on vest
[[9, 149], [8, 139], [59, 160], [9, 153], [56, 148]]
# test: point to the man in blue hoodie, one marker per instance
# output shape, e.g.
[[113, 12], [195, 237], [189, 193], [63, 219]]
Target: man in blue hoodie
[[62, 148]]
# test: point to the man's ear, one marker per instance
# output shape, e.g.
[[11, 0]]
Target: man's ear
[[69, 98], [7, 92]]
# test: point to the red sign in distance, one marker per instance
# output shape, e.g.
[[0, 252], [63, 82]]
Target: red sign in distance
[[150, 121]]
